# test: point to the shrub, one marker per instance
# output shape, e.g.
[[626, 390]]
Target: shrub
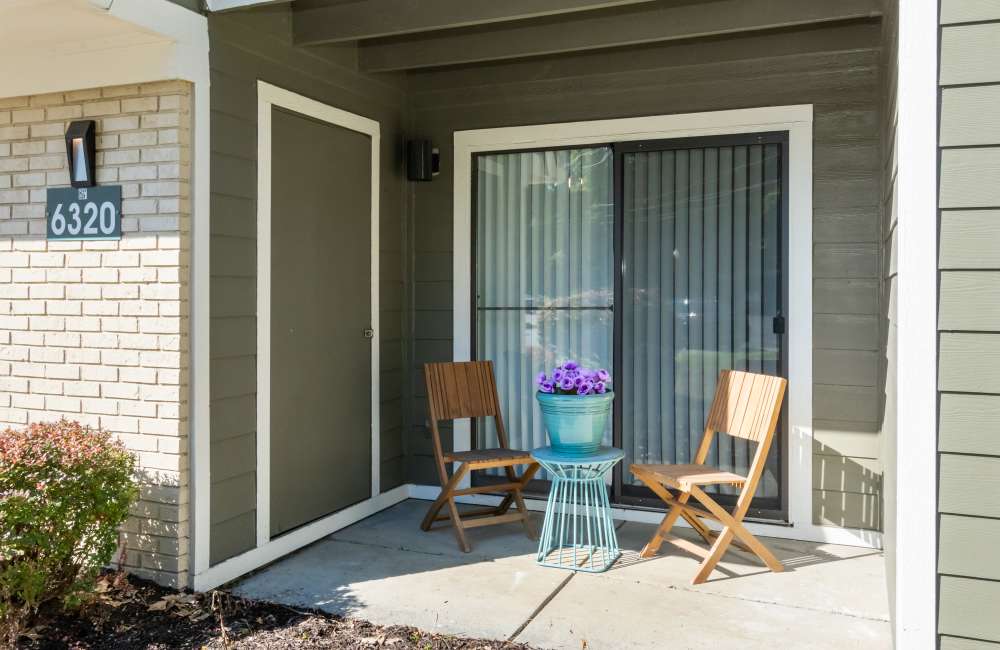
[[65, 489]]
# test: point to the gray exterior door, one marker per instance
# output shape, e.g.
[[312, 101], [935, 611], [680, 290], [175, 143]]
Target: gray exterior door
[[320, 307]]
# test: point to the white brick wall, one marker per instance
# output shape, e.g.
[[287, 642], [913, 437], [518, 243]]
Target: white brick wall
[[98, 331]]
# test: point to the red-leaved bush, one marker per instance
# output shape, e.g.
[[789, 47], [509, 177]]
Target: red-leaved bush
[[65, 489]]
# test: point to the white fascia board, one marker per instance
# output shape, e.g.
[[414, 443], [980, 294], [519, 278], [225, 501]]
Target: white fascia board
[[229, 5]]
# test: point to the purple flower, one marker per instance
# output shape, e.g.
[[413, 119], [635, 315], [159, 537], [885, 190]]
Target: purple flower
[[558, 374], [586, 387], [541, 378], [567, 384], [571, 365], [600, 387], [602, 375], [578, 380], [546, 387]]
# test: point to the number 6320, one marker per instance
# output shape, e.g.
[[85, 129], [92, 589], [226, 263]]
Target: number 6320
[[90, 219]]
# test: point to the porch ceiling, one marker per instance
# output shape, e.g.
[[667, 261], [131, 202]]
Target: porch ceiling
[[386, 570], [410, 34]]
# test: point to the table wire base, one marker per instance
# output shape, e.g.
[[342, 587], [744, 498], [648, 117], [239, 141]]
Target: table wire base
[[578, 532]]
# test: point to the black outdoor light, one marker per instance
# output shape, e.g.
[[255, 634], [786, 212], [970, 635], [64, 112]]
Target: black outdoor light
[[81, 153], [422, 160]]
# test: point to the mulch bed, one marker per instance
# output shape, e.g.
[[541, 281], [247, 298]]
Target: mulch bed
[[133, 613]]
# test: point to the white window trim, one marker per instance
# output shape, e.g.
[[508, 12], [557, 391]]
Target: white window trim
[[267, 550], [797, 120]]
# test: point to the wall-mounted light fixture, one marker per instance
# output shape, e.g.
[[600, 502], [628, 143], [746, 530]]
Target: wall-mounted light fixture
[[422, 160], [81, 153]]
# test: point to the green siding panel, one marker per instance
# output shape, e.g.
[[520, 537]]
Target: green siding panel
[[968, 177], [969, 300], [969, 608], [969, 363], [969, 424], [970, 239], [969, 485], [968, 547], [969, 116], [845, 332], [969, 54], [968, 11]]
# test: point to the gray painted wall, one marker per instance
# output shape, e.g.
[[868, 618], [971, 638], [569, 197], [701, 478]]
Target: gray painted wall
[[246, 46], [834, 68], [969, 326]]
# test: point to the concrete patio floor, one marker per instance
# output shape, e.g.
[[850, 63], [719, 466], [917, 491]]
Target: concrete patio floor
[[386, 570]]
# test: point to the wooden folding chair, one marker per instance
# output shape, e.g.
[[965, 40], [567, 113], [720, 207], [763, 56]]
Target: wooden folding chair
[[468, 390], [747, 406]]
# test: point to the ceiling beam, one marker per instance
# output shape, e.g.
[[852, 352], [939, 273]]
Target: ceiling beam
[[646, 23], [379, 18]]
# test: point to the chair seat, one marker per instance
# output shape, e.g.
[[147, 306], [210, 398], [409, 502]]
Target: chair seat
[[685, 476], [487, 455]]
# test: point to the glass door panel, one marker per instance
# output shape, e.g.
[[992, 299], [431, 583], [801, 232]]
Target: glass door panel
[[701, 250], [544, 281]]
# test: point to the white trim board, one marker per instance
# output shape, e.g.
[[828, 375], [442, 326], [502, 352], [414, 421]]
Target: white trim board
[[269, 96], [797, 120], [253, 559], [915, 469]]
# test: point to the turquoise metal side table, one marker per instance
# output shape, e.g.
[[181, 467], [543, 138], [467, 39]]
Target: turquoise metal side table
[[578, 532]]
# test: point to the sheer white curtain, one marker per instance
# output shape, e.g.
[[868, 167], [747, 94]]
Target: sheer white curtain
[[701, 287], [544, 284]]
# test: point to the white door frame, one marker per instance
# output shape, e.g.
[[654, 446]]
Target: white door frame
[[797, 120], [267, 550]]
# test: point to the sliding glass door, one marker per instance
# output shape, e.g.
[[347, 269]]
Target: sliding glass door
[[662, 260]]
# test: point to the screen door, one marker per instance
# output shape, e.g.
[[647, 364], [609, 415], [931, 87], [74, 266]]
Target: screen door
[[701, 261]]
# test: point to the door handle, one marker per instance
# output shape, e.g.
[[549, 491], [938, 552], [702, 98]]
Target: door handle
[[368, 333]]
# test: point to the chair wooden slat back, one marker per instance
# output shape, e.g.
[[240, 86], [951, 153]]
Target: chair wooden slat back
[[746, 405], [467, 389], [461, 389]]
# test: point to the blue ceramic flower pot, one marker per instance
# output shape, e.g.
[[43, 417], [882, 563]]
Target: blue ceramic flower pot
[[575, 423]]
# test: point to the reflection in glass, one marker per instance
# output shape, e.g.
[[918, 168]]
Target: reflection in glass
[[544, 284]]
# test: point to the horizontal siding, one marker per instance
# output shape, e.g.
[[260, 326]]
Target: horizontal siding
[[968, 547], [969, 300], [969, 327], [969, 116], [968, 178], [969, 11], [968, 239], [968, 607], [969, 362], [969, 424], [969, 54], [969, 485]]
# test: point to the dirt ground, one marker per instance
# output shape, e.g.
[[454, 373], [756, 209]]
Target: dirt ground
[[132, 613]]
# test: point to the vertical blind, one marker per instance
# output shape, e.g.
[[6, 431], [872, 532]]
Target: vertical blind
[[701, 285], [544, 284]]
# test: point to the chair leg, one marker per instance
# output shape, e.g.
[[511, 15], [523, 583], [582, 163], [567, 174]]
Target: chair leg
[[653, 545], [714, 555], [443, 497], [456, 523]]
